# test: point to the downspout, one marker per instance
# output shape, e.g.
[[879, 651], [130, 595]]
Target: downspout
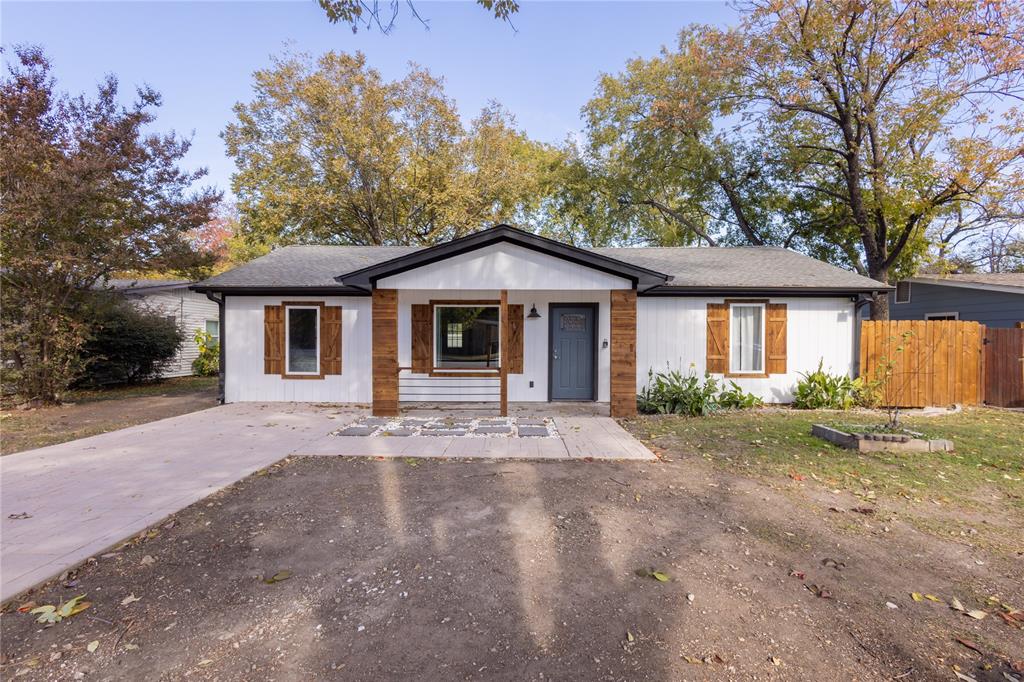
[[219, 300], [859, 302]]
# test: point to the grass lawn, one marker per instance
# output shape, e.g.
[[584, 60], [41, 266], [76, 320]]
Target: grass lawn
[[984, 476], [90, 412]]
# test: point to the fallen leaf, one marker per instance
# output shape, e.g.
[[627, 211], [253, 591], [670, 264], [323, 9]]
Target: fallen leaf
[[692, 659], [917, 596], [92, 646], [932, 597], [205, 661], [659, 576], [629, 636], [1013, 618], [50, 614], [147, 560], [129, 599], [956, 605], [969, 644], [26, 607], [977, 614], [965, 678], [775, 660], [795, 476], [890, 605], [278, 577]]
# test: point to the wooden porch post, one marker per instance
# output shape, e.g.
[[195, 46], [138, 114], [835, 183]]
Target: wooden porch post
[[623, 353], [385, 352], [504, 354]]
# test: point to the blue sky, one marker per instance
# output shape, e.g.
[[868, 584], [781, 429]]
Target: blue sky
[[200, 55]]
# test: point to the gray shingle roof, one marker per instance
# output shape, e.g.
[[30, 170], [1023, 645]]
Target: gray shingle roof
[[141, 284], [1003, 279], [705, 268]]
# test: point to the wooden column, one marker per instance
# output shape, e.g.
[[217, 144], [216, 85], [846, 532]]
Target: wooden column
[[385, 352], [504, 358], [623, 353]]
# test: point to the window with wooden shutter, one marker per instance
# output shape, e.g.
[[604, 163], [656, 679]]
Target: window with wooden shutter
[[273, 339], [718, 338], [515, 339], [422, 338], [330, 340], [776, 332]]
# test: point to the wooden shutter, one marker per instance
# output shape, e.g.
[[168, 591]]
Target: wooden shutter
[[273, 339], [515, 339], [422, 338], [775, 328], [330, 340], [718, 338]]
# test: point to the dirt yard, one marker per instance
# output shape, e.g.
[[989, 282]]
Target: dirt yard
[[436, 569], [88, 413]]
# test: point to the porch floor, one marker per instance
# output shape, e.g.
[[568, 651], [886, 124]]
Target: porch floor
[[518, 409]]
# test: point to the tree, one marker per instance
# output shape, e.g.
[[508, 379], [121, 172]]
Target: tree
[[329, 152], [370, 13], [845, 129], [86, 192]]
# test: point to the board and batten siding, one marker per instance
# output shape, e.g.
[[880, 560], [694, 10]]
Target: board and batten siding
[[672, 334], [424, 388], [190, 310], [245, 379]]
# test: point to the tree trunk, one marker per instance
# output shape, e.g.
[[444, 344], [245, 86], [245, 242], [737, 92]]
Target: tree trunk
[[880, 306]]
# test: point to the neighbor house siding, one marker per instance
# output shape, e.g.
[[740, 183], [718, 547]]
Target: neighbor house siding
[[245, 379], [991, 308], [418, 387], [672, 334], [190, 310]]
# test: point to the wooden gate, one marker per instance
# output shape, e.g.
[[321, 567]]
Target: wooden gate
[[1004, 367], [924, 362]]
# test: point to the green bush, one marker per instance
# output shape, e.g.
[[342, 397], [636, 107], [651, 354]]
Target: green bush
[[208, 362], [128, 344], [673, 392], [819, 390]]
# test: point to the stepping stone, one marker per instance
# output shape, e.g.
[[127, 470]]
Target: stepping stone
[[530, 422], [374, 421], [493, 429], [357, 431], [493, 422], [413, 423], [398, 432], [532, 431], [443, 432]]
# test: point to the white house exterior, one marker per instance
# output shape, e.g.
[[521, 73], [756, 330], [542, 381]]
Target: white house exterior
[[189, 309], [506, 316]]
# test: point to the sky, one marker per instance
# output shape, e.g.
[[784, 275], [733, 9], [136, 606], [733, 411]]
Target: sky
[[201, 55]]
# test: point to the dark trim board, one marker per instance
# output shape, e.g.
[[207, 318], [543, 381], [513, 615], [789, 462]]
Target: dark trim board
[[367, 277], [283, 291], [805, 292], [596, 307]]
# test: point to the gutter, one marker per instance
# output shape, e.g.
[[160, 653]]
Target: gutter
[[221, 369]]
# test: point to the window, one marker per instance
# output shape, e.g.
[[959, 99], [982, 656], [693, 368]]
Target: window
[[942, 316], [302, 340], [213, 329], [746, 335], [903, 291], [468, 337]]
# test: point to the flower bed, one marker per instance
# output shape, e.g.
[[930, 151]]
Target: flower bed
[[870, 440]]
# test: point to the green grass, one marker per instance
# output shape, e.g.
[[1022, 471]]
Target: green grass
[[988, 463]]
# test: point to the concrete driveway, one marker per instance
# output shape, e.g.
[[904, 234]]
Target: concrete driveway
[[64, 503]]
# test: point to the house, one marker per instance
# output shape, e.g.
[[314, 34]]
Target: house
[[188, 309], [993, 299], [505, 315]]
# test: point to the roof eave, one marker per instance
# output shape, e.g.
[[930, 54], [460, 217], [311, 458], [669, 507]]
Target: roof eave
[[257, 290], [765, 291], [1005, 288]]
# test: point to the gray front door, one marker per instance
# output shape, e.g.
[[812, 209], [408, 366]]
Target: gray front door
[[573, 333]]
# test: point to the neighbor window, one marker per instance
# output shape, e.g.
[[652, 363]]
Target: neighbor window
[[942, 316], [302, 340], [746, 338], [467, 336], [213, 329], [903, 292]]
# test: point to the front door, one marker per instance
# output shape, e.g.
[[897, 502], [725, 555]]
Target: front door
[[573, 341]]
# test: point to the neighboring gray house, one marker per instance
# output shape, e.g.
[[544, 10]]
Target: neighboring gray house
[[174, 299], [993, 299]]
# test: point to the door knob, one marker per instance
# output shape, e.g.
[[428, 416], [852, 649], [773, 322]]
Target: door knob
[[554, 354]]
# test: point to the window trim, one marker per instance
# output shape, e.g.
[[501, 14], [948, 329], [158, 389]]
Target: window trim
[[896, 293], [763, 372], [206, 328], [288, 307], [436, 368], [940, 316]]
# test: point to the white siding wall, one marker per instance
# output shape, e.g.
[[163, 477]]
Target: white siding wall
[[419, 387], [672, 334], [245, 380], [504, 266], [191, 310]]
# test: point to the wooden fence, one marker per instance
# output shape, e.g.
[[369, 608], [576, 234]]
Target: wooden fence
[[926, 362], [1004, 367]]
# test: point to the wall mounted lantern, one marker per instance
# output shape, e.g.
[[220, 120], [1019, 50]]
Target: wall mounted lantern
[[533, 315]]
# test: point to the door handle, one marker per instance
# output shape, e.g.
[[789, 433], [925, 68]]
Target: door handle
[[554, 354]]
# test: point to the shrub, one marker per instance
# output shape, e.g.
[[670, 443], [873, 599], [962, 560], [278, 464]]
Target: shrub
[[819, 390], [208, 362], [128, 344], [673, 393], [735, 398]]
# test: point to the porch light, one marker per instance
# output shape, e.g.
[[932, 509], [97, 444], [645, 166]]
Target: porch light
[[534, 315]]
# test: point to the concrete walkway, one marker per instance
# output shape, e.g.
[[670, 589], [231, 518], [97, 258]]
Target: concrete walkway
[[64, 503], [83, 496]]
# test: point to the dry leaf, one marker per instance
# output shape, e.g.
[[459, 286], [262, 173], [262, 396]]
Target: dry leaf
[[969, 644], [129, 599], [956, 605], [278, 577], [92, 646], [977, 614], [932, 597], [917, 596], [692, 659]]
